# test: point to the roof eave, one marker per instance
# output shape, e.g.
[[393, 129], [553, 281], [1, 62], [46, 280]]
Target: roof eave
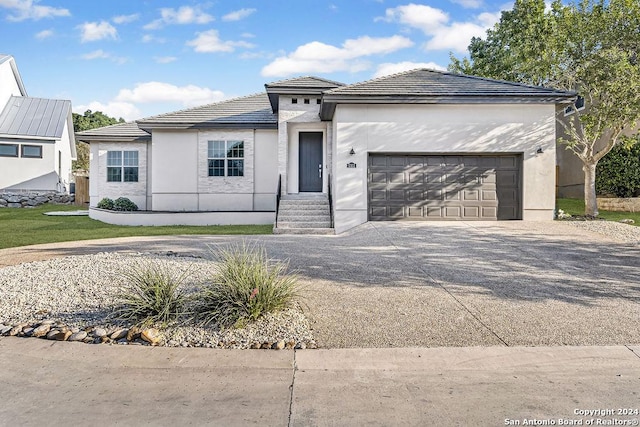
[[330, 101], [102, 138], [146, 126]]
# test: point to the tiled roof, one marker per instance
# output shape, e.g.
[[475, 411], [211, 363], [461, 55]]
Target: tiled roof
[[304, 82], [248, 111], [35, 117], [119, 131], [425, 82]]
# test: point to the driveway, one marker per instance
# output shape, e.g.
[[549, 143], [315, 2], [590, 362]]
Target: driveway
[[408, 284]]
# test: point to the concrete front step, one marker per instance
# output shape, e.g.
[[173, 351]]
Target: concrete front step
[[305, 224], [321, 208], [303, 218], [301, 202], [303, 231]]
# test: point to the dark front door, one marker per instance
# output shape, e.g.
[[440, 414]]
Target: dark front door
[[310, 162]]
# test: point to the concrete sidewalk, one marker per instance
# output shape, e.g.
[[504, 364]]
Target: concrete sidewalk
[[45, 383]]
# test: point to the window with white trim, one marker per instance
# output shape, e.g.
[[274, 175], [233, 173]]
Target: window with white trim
[[122, 166], [225, 158], [8, 150]]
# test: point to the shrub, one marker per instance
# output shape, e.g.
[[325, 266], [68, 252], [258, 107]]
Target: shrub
[[124, 204], [152, 294], [106, 203], [245, 286], [619, 171]]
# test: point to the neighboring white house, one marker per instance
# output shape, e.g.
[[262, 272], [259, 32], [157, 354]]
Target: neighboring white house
[[421, 145], [37, 142]]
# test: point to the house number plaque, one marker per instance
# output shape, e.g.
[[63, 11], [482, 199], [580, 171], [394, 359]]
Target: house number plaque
[[351, 165]]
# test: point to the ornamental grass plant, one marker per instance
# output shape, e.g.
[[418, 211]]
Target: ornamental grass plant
[[153, 294], [245, 286]]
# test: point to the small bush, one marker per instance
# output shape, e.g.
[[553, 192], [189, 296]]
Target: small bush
[[106, 203], [618, 172], [124, 204], [152, 294], [246, 285]]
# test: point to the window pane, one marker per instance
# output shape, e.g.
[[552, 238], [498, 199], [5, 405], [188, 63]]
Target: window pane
[[9, 150], [130, 174], [114, 158], [235, 149], [114, 174], [130, 158], [216, 150], [236, 168], [32, 151], [216, 167]]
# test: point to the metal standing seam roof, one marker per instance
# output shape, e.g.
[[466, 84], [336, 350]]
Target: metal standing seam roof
[[248, 111], [34, 117], [118, 132]]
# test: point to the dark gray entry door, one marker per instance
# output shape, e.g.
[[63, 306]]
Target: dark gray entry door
[[446, 187], [310, 162]]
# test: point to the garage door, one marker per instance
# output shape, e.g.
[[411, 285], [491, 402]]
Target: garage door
[[444, 187]]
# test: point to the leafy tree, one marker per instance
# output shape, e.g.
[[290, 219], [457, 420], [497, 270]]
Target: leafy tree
[[590, 46], [86, 121]]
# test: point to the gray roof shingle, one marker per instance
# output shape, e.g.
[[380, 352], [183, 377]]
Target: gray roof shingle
[[118, 132], [306, 85], [251, 111], [35, 117], [425, 82], [429, 86]]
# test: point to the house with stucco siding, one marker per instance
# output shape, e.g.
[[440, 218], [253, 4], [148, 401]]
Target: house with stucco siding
[[314, 155]]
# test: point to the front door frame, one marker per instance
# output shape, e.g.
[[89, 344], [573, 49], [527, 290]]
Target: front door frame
[[308, 172], [293, 168]]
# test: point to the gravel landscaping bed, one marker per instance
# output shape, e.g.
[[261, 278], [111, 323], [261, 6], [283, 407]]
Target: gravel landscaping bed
[[74, 295], [615, 230]]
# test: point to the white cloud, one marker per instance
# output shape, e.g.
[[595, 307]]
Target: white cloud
[[153, 92], [323, 58], [101, 54], [148, 38], [125, 110], [96, 54], [92, 31], [417, 16], [44, 34], [247, 35], [164, 59], [209, 41], [28, 9], [469, 4], [125, 19], [398, 67], [435, 24], [238, 15], [181, 16]]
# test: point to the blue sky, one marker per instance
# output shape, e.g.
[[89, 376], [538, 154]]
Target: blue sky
[[133, 59]]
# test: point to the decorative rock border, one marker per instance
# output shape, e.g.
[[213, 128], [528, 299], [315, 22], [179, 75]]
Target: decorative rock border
[[57, 331], [32, 199]]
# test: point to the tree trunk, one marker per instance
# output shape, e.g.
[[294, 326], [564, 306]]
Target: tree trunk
[[590, 201]]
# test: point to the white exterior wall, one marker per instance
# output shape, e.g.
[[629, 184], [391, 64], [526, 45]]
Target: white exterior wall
[[8, 84], [174, 186], [99, 188], [293, 119], [30, 174], [265, 170], [64, 168], [433, 129]]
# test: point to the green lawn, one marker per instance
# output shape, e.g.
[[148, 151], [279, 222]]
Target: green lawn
[[21, 227], [576, 207]]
